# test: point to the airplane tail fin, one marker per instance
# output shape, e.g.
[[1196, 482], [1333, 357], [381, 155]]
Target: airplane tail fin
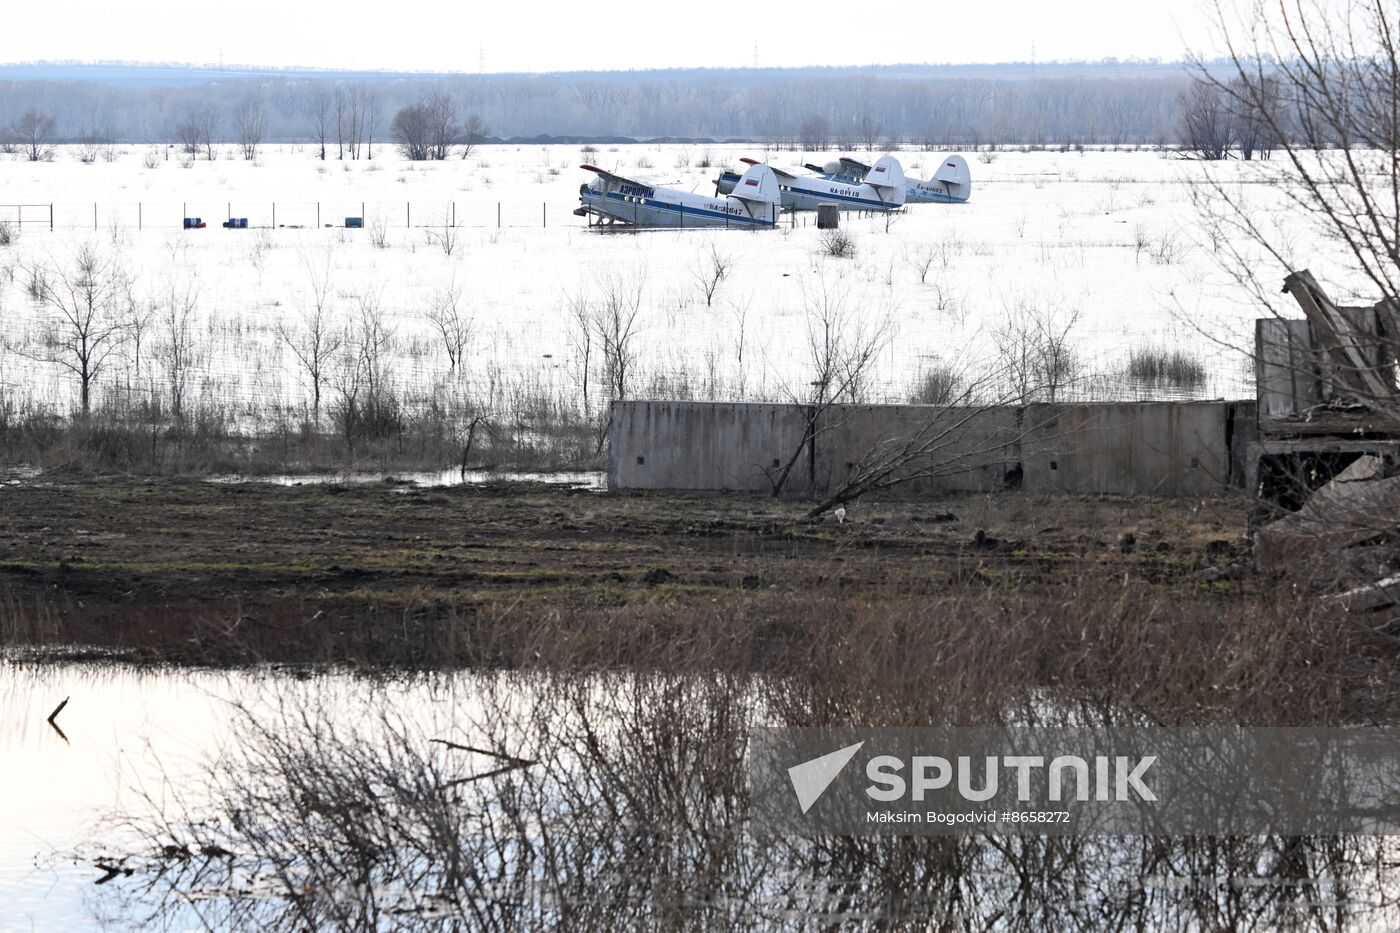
[[888, 174], [759, 184], [955, 175]]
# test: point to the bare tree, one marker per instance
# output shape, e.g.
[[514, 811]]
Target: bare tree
[[956, 436], [86, 327], [314, 340], [140, 318], [614, 323], [343, 119], [411, 131], [176, 351], [1036, 357], [251, 118], [187, 134], [842, 347], [472, 133], [868, 131], [319, 107], [1315, 74], [370, 115], [34, 132], [812, 134], [1207, 121], [710, 271], [452, 323], [442, 124], [580, 318], [196, 131], [1252, 131]]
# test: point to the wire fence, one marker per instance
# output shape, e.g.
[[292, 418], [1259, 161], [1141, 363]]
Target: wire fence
[[292, 215], [312, 215]]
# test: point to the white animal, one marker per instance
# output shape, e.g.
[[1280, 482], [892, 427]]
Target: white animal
[[840, 514]]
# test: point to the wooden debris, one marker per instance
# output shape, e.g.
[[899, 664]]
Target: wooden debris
[[1351, 338], [1378, 595], [1353, 508]]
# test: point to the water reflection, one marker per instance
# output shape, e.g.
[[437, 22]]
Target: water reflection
[[529, 801]]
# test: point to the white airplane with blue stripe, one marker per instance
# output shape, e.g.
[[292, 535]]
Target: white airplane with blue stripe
[[755, 202], [951, 184], [883, 188]]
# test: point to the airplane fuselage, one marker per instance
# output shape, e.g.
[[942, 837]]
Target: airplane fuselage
[[804, 194], [668, 207], [918, 191]]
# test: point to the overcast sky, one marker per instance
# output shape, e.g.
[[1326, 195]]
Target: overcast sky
[[552, 36]]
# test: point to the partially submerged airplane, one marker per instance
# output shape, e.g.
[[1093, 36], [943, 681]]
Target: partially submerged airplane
[[951, 184], [882, 188], [754, 203]]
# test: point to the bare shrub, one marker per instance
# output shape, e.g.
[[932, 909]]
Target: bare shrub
[[921, 259], [452, 323], [378, 229], [176, 350], [937, 384], [445, 234], [614, 324], [315, 341], [1034, 351], [710, 271], [9, 233], [838, 244], [1170, 367]]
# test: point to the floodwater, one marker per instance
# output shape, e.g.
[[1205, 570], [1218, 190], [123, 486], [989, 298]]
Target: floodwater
[[591, 479], [297, 799]]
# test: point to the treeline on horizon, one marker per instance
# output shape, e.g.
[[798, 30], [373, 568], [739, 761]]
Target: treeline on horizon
[[1093, 104]]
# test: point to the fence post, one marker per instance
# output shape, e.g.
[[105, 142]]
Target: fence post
[[544, 209], [94, 216], [454, 213], [498, 215], [51, 217], [408, 214], [139, 216], [318, 214]]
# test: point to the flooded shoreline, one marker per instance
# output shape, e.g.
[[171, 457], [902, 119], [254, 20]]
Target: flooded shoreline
[[520, 801]]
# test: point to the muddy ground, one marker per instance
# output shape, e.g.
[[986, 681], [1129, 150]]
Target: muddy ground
[[168, 568]]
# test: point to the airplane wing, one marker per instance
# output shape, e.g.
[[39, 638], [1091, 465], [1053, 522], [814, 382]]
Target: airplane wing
[[776, 171], [615, 178], [852, 163]]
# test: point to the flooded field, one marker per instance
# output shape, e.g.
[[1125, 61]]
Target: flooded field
[[1105, 248], [178, 799]]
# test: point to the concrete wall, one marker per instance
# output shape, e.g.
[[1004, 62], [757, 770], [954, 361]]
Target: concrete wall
[[1129, 448], [694, 445]]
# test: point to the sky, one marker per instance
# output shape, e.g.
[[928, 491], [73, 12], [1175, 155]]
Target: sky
[[430, 35]]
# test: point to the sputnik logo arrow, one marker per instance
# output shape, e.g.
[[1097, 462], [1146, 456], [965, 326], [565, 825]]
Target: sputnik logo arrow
[[811, 778]]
